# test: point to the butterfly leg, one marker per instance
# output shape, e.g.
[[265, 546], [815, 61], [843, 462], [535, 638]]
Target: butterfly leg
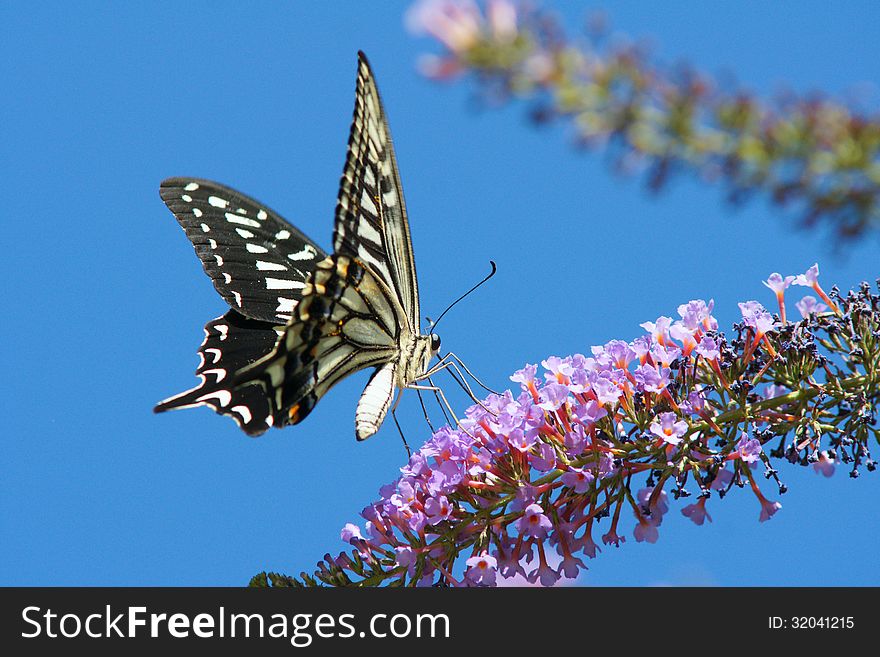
[[471, 374], [435, 390], [400, 431], [449, 366], [439, 391], [453, 370], [439, 403], [425, 411]]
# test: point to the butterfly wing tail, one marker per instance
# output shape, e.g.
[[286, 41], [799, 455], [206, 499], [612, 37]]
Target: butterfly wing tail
[[231, 342]]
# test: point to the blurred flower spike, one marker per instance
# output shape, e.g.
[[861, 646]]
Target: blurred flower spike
[[810, 153], [601, 445]]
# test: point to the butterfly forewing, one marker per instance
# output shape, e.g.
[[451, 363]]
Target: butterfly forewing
[[258, 262], [371, 221]]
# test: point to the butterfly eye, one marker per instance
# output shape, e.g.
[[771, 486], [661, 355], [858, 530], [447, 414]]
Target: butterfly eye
[[435, 342]]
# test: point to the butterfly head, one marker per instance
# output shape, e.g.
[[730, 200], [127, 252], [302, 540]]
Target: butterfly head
[[435, 344]]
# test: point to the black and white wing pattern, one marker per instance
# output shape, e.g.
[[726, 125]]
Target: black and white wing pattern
[[361, 307], [259, 264], [231, 342], [371, 222]]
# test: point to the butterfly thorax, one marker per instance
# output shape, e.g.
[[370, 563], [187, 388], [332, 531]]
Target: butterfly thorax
[[416, 356]]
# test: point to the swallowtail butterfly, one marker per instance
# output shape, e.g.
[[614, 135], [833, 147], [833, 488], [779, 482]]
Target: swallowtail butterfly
[[300, 320]]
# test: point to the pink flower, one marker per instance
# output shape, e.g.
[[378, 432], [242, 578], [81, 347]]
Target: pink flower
[[722, 479], [659, 330], [456, 24], [578, 479], [809, 305], [657, 508], [481, 569], [534, 523], [502, 19], [437, 509], [778, 284], [406, 558], [559, 370], [697, 315], [522, 441], [768, 508], [825, 464], [755, 316], [351, 532], [646, 531], [613, 537], [668, 427], [809, 278], [684, 335], [749, 449], [697, 512]]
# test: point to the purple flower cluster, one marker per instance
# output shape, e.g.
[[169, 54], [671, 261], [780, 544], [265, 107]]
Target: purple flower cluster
[[520, 484]]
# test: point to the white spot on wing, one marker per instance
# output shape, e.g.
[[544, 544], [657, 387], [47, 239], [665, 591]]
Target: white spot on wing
[[191, 187], [227, 278], [285, 305], [262, 265], [206, 228], [222, 396], [212, 243], [219, 260], [255, 248], [282, 234], [308, 252], [220, 373], [262, 216], [244, 233], [235, 219], [215, 354], [282, 284], [197, 212], [237, 296], [187, 198], [223, 330], [244, 411], [217, 202]]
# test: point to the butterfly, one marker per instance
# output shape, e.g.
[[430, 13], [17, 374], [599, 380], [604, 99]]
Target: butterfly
[[301, 320]]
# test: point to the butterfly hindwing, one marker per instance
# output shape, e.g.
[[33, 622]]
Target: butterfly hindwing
[[258, 261], [232, 342]]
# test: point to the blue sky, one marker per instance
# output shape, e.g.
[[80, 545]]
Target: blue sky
[[105, 299]]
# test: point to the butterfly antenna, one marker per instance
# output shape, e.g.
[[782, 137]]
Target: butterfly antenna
[[433, 324]]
